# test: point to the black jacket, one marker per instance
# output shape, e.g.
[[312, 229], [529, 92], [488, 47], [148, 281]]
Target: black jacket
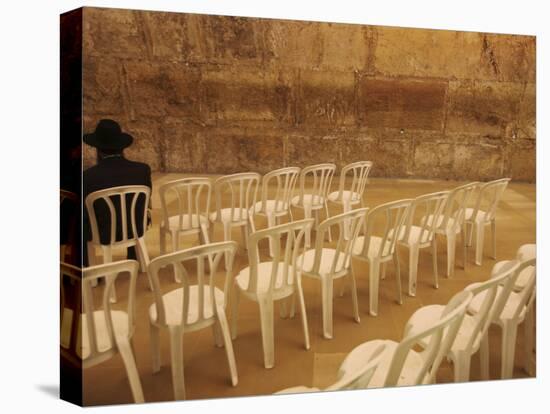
[[114, 172]]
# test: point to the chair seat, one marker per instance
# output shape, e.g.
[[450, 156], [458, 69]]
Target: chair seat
[[416, 236], [264, 277], [188, 222], [374, 247], [428, 316], [347, 195], [480, 217], [120, 328], [239, 215], [270, 206], [357, 357], [449, 228], [315, 201], [509, 308], [305, 261], [173, 305]]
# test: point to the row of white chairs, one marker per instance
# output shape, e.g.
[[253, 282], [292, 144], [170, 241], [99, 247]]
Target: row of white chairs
[[455, 331]]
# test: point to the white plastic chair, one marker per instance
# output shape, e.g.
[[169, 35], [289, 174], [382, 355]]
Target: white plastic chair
[[377, 245], [518, 308], [192, 199], [117, 200], [419, 234], [353, 195], [472, 333], [329, 263], [191, 307], [267, 281], [277, 189], [484, 214], [401, 365], [356, 380], [97, 335], [234, 195], [314, 198]]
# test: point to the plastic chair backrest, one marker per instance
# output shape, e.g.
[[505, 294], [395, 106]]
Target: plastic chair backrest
[[360, 378], [321, 174], [343, 248], [80, 338], [527, 294], [360, 173], [493, 299], [441, 336], [243, 191], [287, 246], [488, 198], [429, 208], [389, 218], [456, 205], [189, 194], [180, 261], [285, 180], [118, 200]]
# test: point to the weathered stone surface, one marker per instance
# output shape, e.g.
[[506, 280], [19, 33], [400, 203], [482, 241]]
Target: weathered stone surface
[[326, 99], [113, 32], [231, 151], [163, 90], [217, 94], [485, 108], [102, 92], [396, 103], [251, 95]]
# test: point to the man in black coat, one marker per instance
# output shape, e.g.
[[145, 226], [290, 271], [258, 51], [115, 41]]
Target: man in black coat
[[112, 170]]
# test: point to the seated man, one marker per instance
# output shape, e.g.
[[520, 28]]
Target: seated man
[[111, 170]]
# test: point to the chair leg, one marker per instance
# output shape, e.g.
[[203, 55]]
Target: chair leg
[[529, 330], [342, 288], [143, 257], [154, 332], [484, 357], [235, 309], [302, 309], [462, 367], [494, 237], [108, 258], [374, 281], [131, 369], [509, 334], [398, 277], [470, 238], [413, 268], [383, 272], [224, 328], [354, 296], [266, 319], [282, 309], [480, 234], [216, 332], [292, 301], [327, 297], [434, 261], [175, 248], [162, 241], [176, 353], [451, 248], [244, 235], [464, 248]]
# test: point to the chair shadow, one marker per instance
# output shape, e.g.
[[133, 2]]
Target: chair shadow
[[49, 389]]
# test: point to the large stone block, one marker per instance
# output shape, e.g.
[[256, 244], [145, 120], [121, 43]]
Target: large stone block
[[231, 151], [485, 108], [113, 32], [433, 159], [522, 160], [402, 103], [102, 90], [309, 149], [242, 94], [389, 153], [326, 99], [163, 89], [480, 162], [527, 113], [183, 147]]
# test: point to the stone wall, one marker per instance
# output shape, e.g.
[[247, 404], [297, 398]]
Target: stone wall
[[214, 94]]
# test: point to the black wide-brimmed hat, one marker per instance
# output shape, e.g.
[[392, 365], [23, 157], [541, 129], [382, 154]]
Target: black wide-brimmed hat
[[109, 136]]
